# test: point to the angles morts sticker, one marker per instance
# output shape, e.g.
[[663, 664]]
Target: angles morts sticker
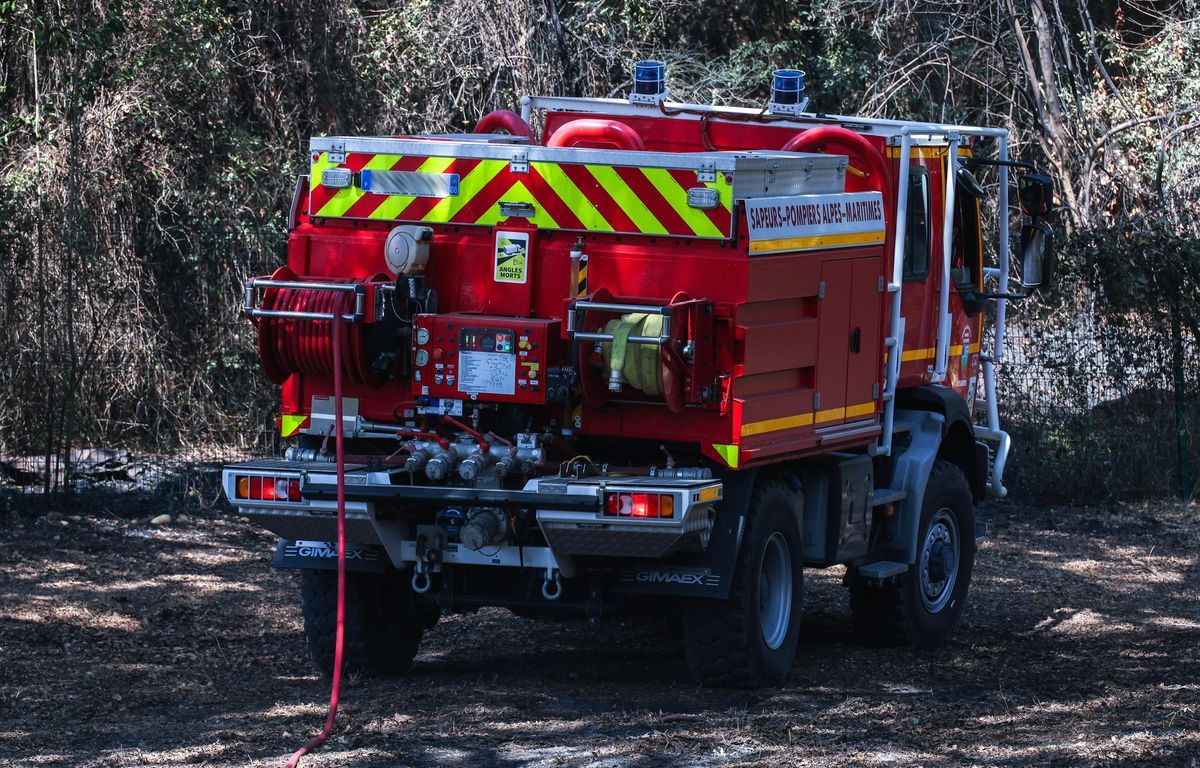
[[511, 257]]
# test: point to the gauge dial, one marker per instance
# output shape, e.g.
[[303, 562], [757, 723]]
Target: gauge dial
[[422, 335], [422, 357]]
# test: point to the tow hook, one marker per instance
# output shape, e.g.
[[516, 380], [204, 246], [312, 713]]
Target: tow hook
[[421, 582], [552, 584]]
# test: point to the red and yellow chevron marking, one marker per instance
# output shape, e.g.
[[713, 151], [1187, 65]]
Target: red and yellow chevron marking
[[595, 198]]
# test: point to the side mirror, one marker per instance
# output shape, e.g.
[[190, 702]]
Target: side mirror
[[1037, 238], [1037, 255]]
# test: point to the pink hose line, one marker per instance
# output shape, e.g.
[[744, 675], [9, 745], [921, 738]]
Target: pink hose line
[[340, 636]]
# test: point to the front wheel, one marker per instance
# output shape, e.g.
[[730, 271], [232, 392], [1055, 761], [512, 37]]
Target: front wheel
[[750, 638], [922, 606]]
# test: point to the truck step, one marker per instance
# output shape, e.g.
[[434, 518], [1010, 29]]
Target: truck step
[[883, 496], [881, 570]]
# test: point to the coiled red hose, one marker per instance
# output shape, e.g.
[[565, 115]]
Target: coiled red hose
[[340, 633], [289, 346]]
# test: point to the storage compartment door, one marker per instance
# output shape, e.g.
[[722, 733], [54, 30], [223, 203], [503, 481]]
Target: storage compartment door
[[864, 368]]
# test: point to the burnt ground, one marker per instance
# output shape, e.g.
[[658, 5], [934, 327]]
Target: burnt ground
[[126, 644]]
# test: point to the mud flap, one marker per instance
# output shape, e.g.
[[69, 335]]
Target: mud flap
[[702, 574], [322, 556]]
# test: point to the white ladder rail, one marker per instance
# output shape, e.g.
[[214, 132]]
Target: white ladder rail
[[895, 342], [944, 318]]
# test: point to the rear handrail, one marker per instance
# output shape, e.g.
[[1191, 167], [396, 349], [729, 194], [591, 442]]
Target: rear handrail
[[597, 306], [253, 310]]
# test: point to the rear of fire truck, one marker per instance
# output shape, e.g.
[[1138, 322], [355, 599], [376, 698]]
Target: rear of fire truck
[[646, 354]]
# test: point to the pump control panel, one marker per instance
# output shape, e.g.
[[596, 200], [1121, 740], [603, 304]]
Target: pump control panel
[[483, 358]]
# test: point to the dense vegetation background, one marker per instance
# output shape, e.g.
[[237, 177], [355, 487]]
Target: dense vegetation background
[[148, 148]]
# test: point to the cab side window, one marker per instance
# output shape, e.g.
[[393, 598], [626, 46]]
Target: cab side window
[[918, 229]]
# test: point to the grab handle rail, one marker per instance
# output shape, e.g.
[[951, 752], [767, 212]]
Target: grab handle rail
[[252, 309], [598, 306]]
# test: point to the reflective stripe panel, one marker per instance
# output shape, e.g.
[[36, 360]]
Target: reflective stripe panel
[[633, 206], [817, 241], [676, 197], [806, 419], [469, 186], [594, 198]]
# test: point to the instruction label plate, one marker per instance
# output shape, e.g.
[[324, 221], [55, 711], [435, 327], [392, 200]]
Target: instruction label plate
[[490, 373]]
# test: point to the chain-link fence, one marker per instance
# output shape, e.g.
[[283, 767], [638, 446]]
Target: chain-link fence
[[1094, 414]]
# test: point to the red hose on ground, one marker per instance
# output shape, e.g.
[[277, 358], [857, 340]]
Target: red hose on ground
[[340, 636]]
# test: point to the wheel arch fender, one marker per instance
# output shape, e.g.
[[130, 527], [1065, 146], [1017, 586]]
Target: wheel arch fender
[[958, 444], [910, 472], [729, 530]]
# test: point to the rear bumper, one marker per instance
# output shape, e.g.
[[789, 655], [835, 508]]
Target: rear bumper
[[569, 512], [445, 496]]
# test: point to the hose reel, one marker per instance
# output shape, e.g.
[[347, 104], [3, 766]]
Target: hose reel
[[634, 364], [294, 319], [649, 349]]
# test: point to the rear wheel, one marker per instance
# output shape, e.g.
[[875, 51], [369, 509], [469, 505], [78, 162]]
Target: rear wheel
[[384, 623], [922, 606], [750, 639]]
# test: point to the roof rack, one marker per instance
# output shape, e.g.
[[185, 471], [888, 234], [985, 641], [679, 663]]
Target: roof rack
[[871, 126]]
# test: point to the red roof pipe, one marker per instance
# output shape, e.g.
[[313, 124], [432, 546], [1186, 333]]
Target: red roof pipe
[[852, 144], [610, 132], [505, 121]]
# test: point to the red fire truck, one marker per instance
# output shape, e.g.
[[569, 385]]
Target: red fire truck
[[614, 353]]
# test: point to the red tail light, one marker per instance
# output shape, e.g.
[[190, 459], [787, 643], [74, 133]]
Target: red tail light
[[639, 505], [645, 505], [267, 488]]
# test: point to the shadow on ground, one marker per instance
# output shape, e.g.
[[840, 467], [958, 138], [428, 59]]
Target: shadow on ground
[[125, 644]]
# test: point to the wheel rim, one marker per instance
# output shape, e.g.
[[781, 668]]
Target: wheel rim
[[775, 591], [939, 561]]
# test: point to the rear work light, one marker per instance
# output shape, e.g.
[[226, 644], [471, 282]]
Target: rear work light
[[657, 505], [267, 488]]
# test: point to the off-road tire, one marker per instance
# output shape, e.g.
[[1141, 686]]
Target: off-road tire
[[893, 614], [724, 638], [384, 624]]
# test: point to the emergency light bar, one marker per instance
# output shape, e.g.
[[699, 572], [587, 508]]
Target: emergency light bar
[[787, 92], [649, 82]]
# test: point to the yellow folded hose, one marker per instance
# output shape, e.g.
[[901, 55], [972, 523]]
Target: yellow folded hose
[[638, 364]]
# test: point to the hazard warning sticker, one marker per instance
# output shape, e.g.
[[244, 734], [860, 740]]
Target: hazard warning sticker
[[512, 257]]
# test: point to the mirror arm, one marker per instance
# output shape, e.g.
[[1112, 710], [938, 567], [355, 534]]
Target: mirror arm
[[1009, 296], [971, 163]]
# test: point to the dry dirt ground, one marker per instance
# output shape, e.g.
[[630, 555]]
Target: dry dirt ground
[[124, 644]]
